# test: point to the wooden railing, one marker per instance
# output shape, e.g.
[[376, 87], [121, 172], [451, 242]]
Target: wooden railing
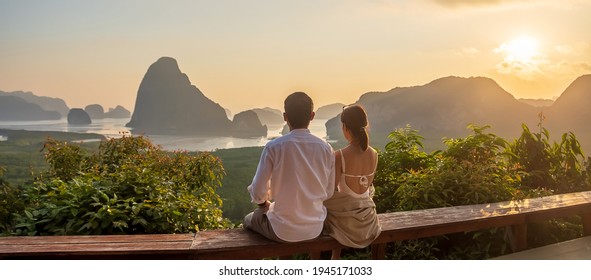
[[244, 244]]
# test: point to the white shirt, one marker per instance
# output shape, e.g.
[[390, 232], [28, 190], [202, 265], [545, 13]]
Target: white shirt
[[296, 171]]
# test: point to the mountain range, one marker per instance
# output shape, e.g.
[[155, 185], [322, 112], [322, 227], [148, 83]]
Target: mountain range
[[26, 106], [446, 106]]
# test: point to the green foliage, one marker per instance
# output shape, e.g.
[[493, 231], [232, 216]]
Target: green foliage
[[401, 157], [555, 167], [480, 168], [10, 202], [21, 157], [128, 186]]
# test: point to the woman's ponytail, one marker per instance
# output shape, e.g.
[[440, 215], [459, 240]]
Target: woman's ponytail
[[355, 119]]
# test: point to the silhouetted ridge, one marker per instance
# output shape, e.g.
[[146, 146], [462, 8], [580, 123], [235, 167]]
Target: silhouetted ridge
[[13, 108], [46, 103]]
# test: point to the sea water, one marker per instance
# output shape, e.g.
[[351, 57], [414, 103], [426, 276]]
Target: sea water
[[115, 128]]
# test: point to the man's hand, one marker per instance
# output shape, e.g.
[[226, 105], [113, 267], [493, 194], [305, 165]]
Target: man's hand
[[264, 204]]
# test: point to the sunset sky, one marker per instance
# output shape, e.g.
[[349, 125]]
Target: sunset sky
[[248, 54]]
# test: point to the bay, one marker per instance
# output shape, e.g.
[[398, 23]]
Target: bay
[[115, 128]]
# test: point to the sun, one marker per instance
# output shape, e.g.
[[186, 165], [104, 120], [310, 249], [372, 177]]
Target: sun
[[521, 49], [522, 57]]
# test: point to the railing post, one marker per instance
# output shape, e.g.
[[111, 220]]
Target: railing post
[[586, 219], [315, 255], [378, 251], [519, 241]]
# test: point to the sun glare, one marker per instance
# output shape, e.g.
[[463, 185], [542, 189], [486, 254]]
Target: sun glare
[[522, 49], [522, 57]]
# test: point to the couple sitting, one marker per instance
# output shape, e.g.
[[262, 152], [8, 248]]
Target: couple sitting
[[299, 173]]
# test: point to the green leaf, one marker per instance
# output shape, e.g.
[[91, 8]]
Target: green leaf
[[29, 215]]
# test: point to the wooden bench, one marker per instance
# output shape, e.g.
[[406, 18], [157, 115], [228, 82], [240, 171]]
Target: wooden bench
[[244, 244]]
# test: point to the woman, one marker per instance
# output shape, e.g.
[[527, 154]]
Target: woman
[[352, 219]]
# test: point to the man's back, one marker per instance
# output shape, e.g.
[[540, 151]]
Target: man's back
[[299, 168]]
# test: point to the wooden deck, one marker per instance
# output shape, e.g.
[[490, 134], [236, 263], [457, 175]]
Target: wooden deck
[[244, 244], [576, 249]]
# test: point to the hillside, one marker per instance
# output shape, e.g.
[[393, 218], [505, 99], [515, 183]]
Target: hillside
[[329, 111], [443, 108], [571, 111]]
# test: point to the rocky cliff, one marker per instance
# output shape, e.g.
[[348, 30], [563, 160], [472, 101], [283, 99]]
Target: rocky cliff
[[247, 124], [77, 116], [167, 103]]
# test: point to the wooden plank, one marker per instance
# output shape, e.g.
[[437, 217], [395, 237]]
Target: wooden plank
[[576, 249], [245, 244], [96, 245], [93, 248], [81, 239]]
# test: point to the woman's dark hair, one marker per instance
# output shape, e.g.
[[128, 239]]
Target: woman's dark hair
[[355, 119], [298, 108]]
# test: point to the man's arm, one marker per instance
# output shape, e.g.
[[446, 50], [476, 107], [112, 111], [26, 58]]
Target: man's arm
[[259, 189]]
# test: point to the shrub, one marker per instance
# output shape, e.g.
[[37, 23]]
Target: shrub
[[10, 202], [480, 168], [128, 186]]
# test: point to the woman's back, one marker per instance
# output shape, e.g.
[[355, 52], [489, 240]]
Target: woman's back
[[355, 170]]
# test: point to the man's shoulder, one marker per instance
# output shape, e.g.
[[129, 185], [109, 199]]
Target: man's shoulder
[[300, 138]]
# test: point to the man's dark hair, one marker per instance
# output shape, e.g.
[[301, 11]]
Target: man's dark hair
[[298, 109]]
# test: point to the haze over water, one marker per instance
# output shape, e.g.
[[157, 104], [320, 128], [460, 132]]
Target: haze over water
[[116, 128]]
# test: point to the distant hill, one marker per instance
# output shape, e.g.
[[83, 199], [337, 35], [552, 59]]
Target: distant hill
[[78, 116], [46, 103], [572, 111], [167, 103], [248, 124], [119, 112], [537, 102], [96, 112], [443, 107], [270, 116], [14, 108], [329, 111]]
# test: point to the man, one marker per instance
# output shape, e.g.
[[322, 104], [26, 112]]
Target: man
[[296, 172]]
